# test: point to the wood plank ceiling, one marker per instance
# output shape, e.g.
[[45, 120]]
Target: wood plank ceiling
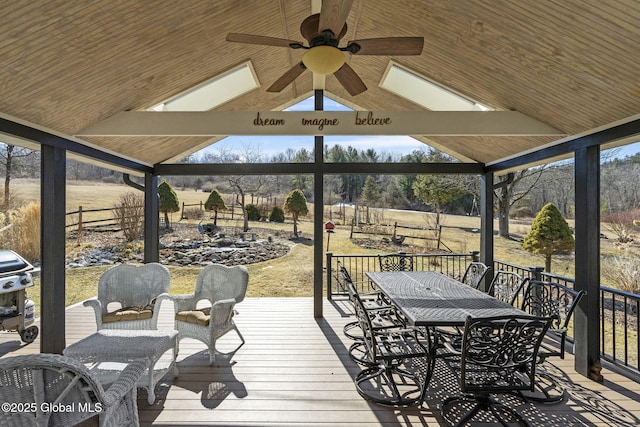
[[66, 65]]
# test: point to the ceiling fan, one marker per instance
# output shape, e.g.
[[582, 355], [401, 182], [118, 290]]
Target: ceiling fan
[[323, 55]]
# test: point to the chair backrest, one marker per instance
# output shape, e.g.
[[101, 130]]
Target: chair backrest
[[342, 277], [344, 273], [45, 379], [474, 274], [552, 299], [506, 286], [133, 285], [364, 321], [217, 282], [499, 353], [395, 262]]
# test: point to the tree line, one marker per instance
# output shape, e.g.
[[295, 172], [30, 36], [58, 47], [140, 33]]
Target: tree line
[[517, 194]]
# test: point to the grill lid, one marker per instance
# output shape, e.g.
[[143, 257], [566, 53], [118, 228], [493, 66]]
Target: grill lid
[[11, 262]]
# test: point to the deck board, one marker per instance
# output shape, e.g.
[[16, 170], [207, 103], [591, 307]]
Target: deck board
[[294, 370]]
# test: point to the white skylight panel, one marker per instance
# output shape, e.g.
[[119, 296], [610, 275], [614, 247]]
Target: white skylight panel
[[214, 92], [421, 91]]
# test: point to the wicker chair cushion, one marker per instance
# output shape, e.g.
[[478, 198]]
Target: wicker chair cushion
[[198, 317], [139, 312]]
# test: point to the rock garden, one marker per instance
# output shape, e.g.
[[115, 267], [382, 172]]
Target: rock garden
[[182, 245]]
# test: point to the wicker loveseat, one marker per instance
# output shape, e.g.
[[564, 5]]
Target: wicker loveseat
[[135, 291], [49, 390]]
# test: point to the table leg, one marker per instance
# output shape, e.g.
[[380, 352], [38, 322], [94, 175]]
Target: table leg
[[151, 393], [432, 343]]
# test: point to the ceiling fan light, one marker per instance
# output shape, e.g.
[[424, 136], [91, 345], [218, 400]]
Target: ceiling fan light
[[323, 59]]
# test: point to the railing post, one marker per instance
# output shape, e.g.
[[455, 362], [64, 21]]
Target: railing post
[[536, 273], [475, 256], [79, 218], [329, 256]]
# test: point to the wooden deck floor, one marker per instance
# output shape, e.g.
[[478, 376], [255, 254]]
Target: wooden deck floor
[[294, 371]]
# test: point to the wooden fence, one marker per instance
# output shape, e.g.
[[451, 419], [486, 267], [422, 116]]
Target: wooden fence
[[398, 237], [97, 219], [92, 219]]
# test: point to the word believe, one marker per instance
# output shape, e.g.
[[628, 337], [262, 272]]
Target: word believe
[[360, 120]]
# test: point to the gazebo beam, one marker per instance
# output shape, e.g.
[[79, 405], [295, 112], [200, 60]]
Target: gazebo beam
[[183, 169]]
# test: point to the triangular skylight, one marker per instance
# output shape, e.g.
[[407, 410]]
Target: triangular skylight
[[212, 93], [417, 89]]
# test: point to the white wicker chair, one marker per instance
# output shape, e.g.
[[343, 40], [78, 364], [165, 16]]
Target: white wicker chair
[[137, 292], [223, 287], [52, 390]]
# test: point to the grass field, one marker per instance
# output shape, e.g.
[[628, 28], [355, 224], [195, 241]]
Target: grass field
[[291, 275]]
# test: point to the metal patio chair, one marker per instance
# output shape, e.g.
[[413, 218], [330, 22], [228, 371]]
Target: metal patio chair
[[507, 286], [474, 274], [383, 316], [372, 299], [129, 296], [395, 262], [548, 299], [498, 356], [394, 359]]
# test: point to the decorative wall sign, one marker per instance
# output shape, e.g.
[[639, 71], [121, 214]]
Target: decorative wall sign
[[225, 123]]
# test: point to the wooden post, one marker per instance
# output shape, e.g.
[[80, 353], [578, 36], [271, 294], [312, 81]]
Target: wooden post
[[80, 218]]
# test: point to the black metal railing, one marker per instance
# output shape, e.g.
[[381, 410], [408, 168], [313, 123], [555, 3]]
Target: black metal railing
[[619, 310], [452, 265], [619, 319]]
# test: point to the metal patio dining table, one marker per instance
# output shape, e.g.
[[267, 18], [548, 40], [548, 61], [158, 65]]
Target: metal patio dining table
[[431, 299]]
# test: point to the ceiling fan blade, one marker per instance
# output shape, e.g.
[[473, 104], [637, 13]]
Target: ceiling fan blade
[[393, 46], [287, 78], [334, 14], [262, 40], [350, 80]]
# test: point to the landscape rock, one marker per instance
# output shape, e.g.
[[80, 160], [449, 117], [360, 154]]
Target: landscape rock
[[185, 249]]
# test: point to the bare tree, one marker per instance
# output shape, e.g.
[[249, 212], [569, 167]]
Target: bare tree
[[7, 158], [242, 186], [512, 188]]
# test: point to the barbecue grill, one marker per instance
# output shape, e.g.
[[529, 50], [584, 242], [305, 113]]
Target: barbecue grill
[[17, 313]]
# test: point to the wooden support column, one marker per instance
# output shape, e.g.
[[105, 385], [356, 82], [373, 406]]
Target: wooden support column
[[52, 249], [318, 212], [486, 225], [587, 263], [151, 219]]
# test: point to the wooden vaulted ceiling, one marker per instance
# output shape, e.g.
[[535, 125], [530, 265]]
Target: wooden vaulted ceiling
[[67, 65]]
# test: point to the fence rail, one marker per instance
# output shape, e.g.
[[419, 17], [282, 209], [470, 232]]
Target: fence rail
[[391, 231], [82, 221], [619, 310]]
